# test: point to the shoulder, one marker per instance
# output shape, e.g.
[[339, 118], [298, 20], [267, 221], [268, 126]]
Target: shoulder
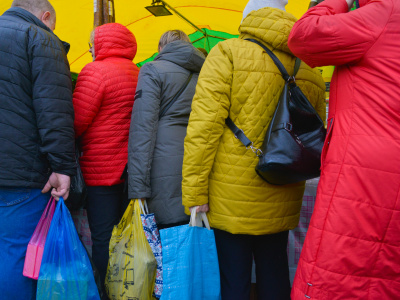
[[308, 74], [153, 68]]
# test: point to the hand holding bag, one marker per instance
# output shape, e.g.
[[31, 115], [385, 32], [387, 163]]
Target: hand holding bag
[[34, 253], [66, 272], [190, 261], [291, 151]]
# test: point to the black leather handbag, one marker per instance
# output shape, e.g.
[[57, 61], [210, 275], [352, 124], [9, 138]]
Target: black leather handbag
[[291, 151], [78, 192]]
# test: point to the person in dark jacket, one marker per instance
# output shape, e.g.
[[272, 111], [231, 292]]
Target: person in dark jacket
[[103, 100], [36, 132], [158, 127]]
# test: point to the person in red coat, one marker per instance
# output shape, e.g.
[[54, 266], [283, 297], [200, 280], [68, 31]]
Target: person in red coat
[[352, 248], [103, 101]]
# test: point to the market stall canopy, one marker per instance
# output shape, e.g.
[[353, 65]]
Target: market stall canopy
[[75, 22]]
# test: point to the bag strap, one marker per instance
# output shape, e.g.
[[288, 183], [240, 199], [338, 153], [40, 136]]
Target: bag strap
[[239, 134], [167, 107], [277, 62], [143, 207], [197, 219]]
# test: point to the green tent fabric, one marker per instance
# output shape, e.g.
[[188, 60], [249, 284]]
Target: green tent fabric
[[199, 40]]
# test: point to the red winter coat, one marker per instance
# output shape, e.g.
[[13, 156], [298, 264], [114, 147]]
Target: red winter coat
[[352, 248], [103, 100]]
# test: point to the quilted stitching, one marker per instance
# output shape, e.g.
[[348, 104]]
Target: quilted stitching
[[103, 101], [240, 80]]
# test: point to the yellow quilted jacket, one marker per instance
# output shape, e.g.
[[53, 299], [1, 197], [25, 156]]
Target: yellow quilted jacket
[[240, 80]]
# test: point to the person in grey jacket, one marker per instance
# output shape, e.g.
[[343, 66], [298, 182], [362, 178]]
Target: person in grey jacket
[[158, 127]]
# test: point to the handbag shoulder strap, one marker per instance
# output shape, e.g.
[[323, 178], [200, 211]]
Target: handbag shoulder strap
[[277, 62], [239, 134], [167, 107]]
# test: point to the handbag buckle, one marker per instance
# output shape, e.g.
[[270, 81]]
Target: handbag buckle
[[255, 150], [288, 127], [291, 79]]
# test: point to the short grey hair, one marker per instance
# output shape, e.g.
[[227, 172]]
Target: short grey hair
[[170, 36], [35, 7]]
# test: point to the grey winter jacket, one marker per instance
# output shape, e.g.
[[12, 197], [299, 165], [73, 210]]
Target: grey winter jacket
[[155, 151]]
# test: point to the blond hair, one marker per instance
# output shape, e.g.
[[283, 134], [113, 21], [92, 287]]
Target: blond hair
[[170, 36]]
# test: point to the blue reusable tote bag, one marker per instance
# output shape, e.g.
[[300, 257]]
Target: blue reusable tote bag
[[190, 261], [66, 272]]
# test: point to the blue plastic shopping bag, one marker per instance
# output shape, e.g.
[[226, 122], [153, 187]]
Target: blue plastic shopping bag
[[153, 237], [190, 262], [66, 272]]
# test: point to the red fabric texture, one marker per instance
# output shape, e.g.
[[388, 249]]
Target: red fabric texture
[[103, 100], [352, 248]]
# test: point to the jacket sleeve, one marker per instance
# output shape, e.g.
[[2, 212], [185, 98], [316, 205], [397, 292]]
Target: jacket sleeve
[[52, 103], [143, 132], [210, 108], [328, 34], [312, 85], [88, 95]]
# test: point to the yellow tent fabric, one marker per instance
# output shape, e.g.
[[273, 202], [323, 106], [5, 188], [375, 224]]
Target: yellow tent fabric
[[75, 21]]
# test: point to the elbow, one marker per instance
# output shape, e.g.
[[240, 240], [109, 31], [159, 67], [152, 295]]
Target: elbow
[[302, 47]]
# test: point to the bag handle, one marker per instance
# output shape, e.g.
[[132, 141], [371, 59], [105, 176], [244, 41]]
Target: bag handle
[[44, 222], [197, 219], [167, 107], [143, 206]]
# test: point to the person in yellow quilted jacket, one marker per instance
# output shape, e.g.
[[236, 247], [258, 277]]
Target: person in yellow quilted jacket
[[250, 217]]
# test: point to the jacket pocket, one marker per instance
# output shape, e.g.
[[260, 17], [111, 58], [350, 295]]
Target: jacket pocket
[[12, 196], [327, 140]]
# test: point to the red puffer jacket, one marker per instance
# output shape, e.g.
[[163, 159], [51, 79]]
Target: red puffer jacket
[[352, 248], [103, 100]]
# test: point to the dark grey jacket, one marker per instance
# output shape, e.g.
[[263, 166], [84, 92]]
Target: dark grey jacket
[[36, 112], [156, 146]]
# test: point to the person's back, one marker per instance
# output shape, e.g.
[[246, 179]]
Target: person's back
[[30, 148], [253, 91], [159, 127], [36, 133], [103, 100], [249, 216], [357, 201]]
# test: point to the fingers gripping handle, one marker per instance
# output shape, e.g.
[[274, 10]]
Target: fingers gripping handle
[[197, 219]]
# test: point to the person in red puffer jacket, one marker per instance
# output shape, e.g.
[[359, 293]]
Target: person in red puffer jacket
[[103, 101]]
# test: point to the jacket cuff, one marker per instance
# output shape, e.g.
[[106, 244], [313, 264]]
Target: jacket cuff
[[189, 201], [134, 194], [70, 173]]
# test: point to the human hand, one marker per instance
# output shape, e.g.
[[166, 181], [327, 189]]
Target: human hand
[[201, 208], [60, 184]]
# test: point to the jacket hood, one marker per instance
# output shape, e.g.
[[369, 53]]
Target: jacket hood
[[31, 18], [183, 54], [269, 25], [114, 40]]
